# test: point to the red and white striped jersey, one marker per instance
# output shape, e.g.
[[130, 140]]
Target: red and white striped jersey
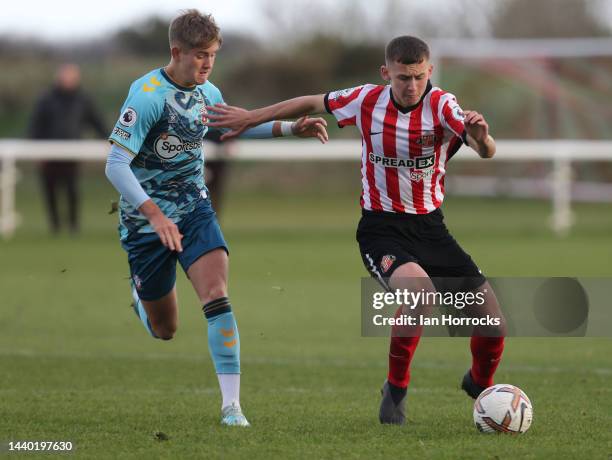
[[404, 152]]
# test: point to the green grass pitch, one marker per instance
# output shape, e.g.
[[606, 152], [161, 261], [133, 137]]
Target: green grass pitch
[[77, 365]]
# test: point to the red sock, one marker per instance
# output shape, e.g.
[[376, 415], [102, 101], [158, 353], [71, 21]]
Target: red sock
[[486, 354], [401, 352]]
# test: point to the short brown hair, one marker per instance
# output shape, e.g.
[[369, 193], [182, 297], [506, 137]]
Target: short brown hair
[[193, 29], [406, 50]]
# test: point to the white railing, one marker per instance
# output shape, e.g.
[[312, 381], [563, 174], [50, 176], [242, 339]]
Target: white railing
[[560, 153], [518, 48]]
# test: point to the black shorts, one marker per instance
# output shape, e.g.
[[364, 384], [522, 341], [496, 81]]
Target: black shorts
[[388, 240]]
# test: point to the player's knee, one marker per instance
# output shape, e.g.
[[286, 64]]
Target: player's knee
[[409, 270], [494, 329], [499, 326], [501, 330], [411, 276]]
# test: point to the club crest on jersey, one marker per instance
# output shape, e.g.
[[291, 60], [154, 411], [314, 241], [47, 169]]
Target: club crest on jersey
[[203, 114], [386, 262], [458, 113], [427, 139], [128, 117]]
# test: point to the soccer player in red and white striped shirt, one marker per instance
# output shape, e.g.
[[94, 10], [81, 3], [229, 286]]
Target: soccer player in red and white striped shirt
[[410, 130]]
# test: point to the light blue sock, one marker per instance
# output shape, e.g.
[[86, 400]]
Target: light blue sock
[[223, 338], [141, 313]]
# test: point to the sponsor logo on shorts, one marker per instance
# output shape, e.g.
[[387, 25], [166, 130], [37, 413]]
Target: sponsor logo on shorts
[[121, 133], [137, 282], [386, 262], [128, 117], [167, 146], [422, 162]]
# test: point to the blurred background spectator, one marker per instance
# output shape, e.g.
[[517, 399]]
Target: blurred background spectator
[[64, 112]]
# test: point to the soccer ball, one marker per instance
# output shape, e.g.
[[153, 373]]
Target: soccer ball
[[503, 408]]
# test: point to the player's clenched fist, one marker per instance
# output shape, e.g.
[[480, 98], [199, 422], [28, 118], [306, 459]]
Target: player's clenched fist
[[476, 125]]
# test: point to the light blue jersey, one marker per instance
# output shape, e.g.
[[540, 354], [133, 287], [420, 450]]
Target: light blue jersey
[[162, 125]]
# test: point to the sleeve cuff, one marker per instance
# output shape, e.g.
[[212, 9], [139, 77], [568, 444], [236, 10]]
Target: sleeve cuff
[[326, 102]]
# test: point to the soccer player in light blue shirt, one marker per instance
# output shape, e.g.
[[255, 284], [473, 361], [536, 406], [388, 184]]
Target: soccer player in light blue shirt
[[156, 163]]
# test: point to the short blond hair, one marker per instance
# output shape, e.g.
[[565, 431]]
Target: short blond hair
[[192, 29]]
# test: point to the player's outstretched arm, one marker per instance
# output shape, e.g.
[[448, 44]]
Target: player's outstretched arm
[[238, 119], [304, 127], [478, 137]]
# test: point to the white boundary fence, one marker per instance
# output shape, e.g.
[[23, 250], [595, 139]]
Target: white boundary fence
[[560, 153], [518, 48]]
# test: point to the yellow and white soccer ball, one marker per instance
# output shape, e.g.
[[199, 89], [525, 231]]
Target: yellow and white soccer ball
[[503, 408]]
